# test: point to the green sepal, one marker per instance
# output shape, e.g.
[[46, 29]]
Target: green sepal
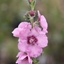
[[35, 61]]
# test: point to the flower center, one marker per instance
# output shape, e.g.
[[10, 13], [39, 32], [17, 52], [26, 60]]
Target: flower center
[[31, 40]]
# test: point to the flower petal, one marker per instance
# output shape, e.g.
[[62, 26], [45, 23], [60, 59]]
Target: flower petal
[[22, 45], [16, 32], [19, 54], [34, 51], [43, 22], [24, 25], [24, 59], [35, 31], [42, 41], [22, 30], [38, 14], [29, 59]]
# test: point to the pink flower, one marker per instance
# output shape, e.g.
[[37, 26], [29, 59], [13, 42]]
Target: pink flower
[[32, 39], [23, 58], [22, 29], [34, 42], [43, 22]]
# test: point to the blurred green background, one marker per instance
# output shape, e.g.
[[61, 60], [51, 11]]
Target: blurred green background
[[11, 14]]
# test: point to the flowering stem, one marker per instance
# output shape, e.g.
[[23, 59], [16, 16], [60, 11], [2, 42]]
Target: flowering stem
[[32, 6], [31, 18]]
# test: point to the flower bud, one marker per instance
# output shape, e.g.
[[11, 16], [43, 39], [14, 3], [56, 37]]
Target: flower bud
[[32, 13], [30, 1]]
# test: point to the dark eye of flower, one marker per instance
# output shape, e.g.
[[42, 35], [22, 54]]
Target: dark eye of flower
[[31, 40]]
